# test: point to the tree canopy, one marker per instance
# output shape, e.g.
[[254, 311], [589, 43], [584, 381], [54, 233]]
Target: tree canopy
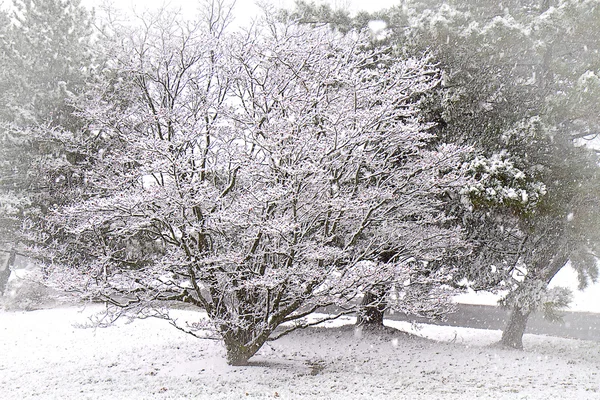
[[264, 173]]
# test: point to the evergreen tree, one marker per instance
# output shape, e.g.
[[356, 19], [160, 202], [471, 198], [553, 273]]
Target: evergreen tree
[[519, 83], [46, 60]]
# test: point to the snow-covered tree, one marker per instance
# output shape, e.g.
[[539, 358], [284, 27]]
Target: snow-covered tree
[[47, 49], [44, 61], [518, 83], [509, 79], [257, 176], [427, 290]]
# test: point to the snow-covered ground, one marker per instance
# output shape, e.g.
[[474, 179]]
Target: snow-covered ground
[[42, 355], [587, 300]]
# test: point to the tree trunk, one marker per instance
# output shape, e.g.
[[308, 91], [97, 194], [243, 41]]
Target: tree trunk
[[5, 270], [239, 349], [4, 276], [372, 308], [512, 336]]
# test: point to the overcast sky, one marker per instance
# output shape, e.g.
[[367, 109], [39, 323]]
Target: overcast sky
[[245, 10]]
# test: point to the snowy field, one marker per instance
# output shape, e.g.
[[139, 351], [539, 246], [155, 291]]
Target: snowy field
[[43, 355]]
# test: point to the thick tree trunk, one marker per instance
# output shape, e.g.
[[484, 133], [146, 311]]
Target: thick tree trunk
[[237, 355], [372, 308], [239, 349], [512, 336]]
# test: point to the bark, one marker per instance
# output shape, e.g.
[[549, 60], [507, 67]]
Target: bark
[[5, 271], [4, 276], [512, 336], [239, 349], [372, 308]]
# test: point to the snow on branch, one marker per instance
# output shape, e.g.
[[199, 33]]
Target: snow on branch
[[254, 175]]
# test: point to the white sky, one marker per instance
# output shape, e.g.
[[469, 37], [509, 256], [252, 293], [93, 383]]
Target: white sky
[[245, 10]]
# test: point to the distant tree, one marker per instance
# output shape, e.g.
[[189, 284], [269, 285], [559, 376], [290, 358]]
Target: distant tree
[[45, 62], [47, 50], [270, 169], [425, 290], [7, 209], [518, 83], [506, 86]]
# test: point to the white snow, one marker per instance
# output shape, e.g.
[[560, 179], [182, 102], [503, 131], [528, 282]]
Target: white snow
[[43, 355], [587, 300], [481, 297]]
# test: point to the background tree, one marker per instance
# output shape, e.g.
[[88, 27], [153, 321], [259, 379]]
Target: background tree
[[426, 290], [525, 128], [45, 62], [508, 74]]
